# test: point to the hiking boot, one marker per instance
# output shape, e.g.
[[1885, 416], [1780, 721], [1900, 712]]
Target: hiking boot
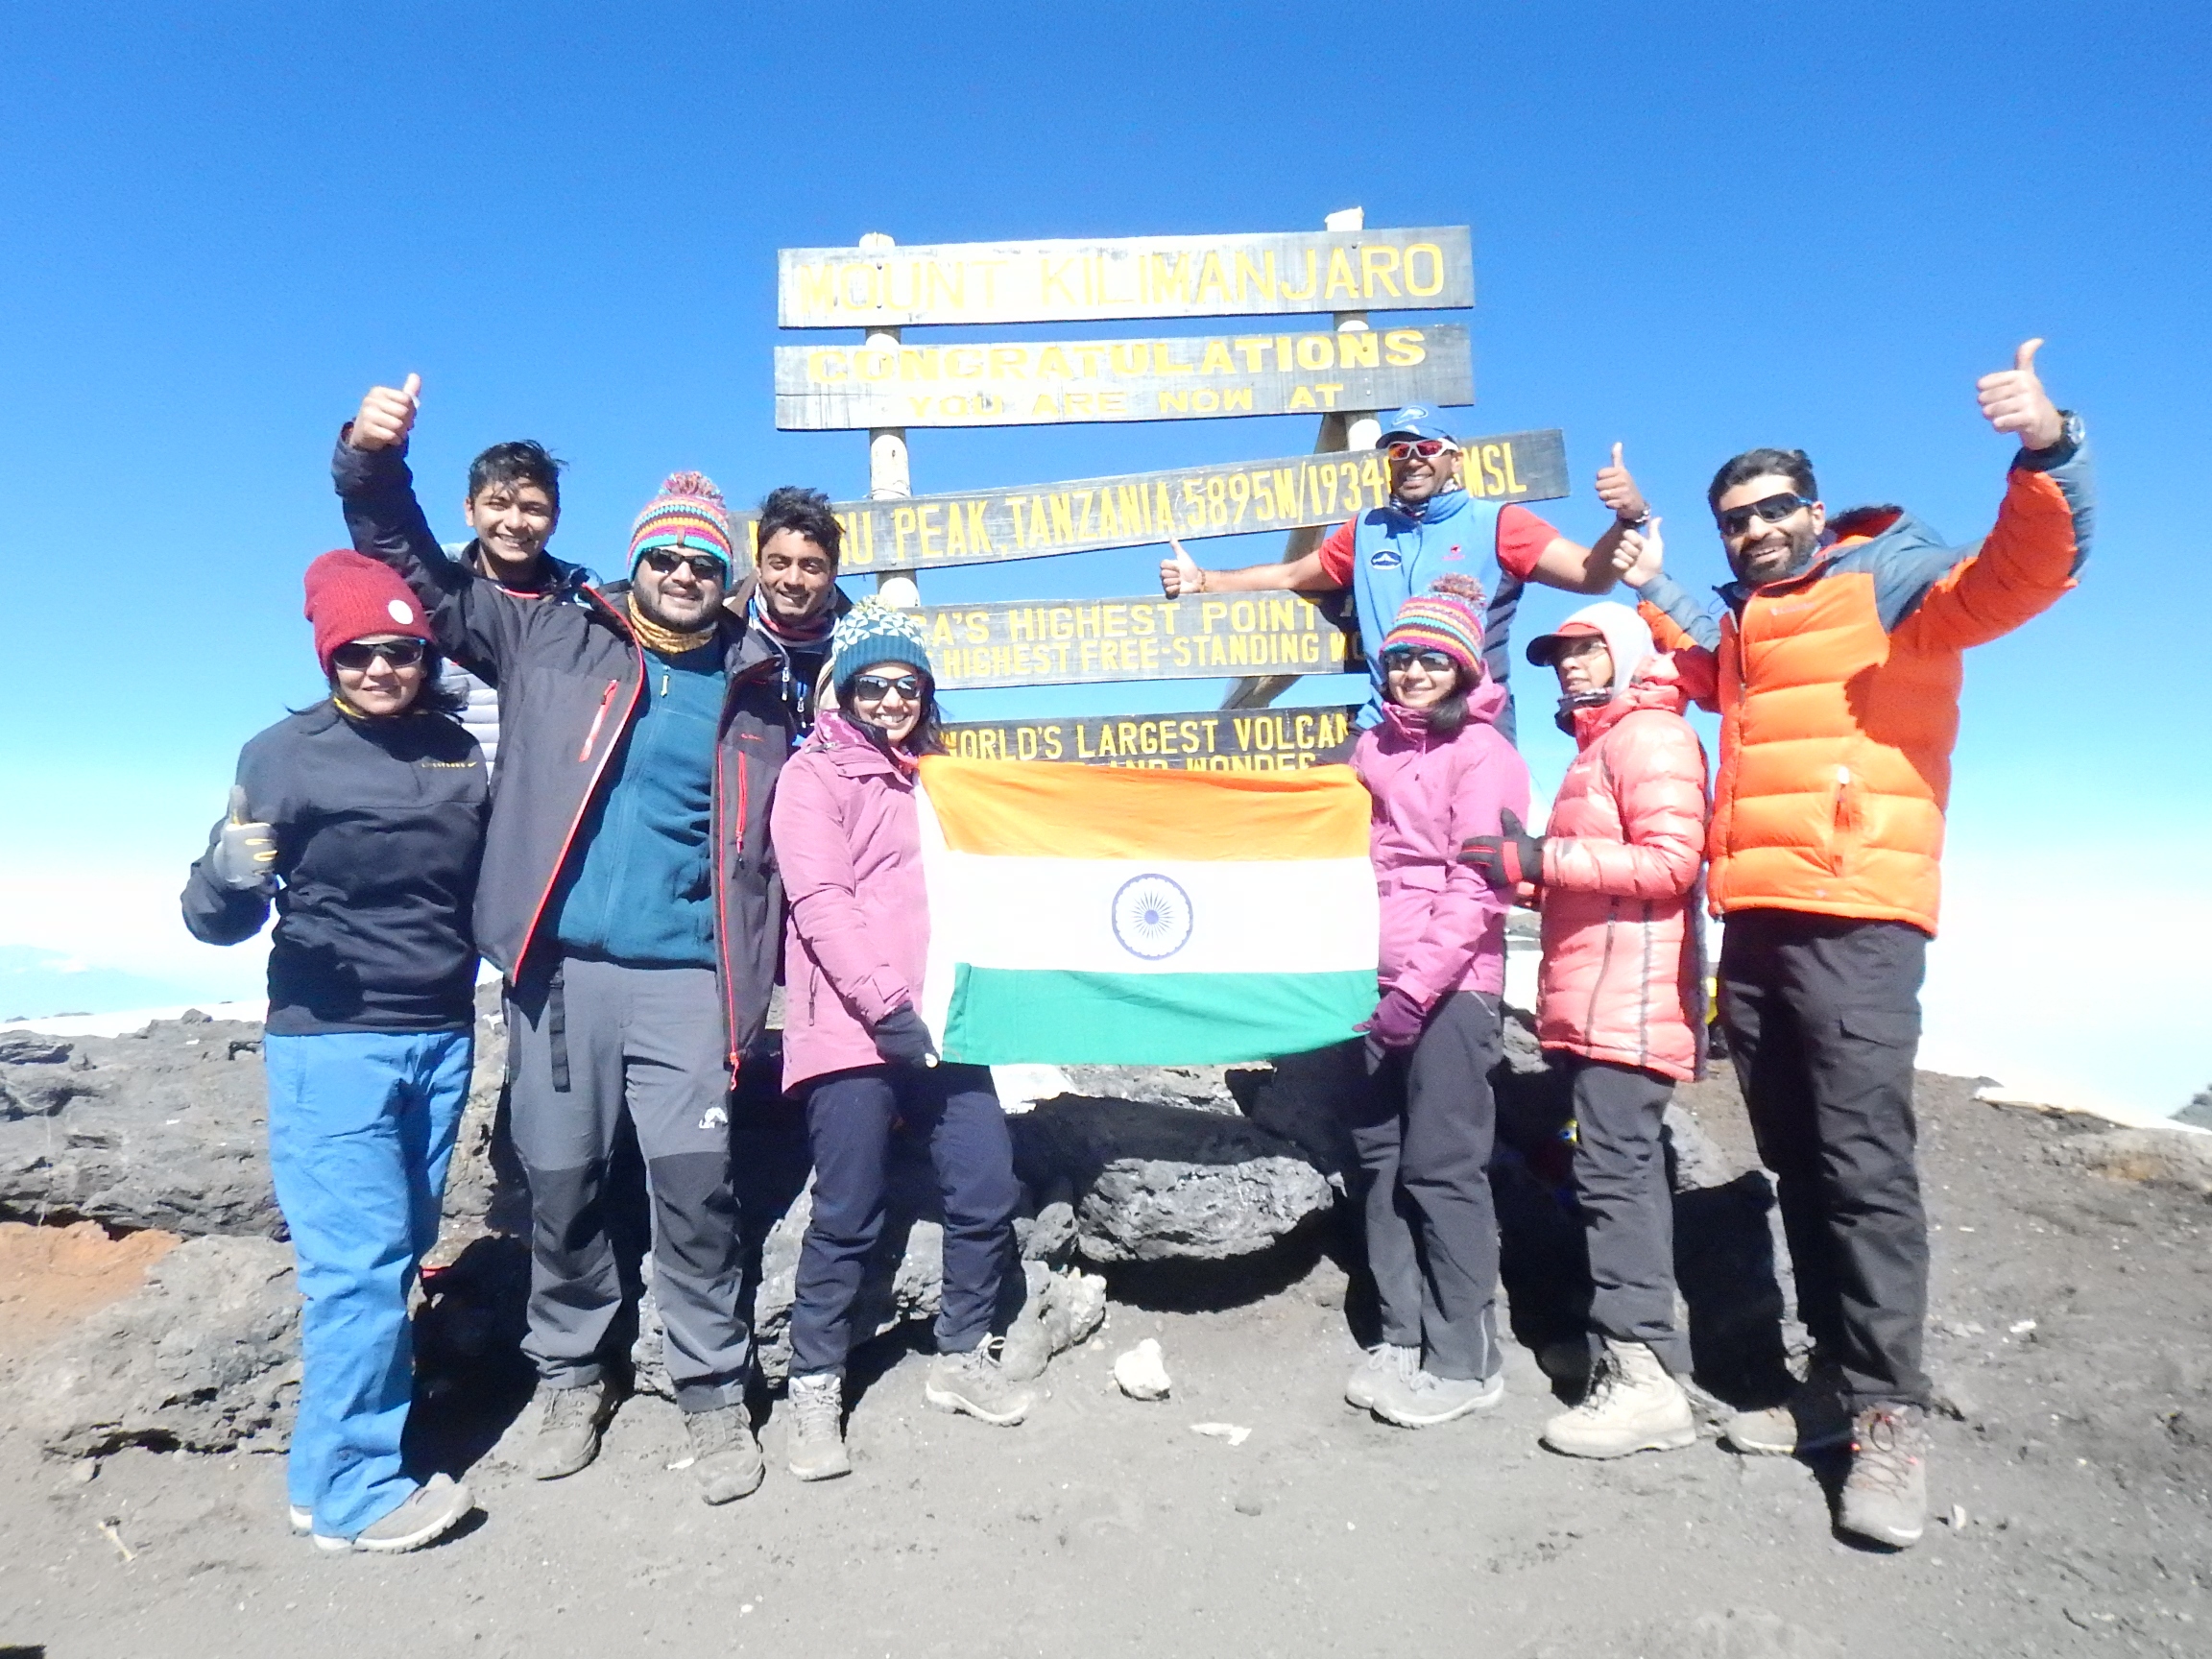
[[1634, 1406], [427, 1515], [814, 1435], [1885, 1494], [1422, 1399], [973, 1383], [726, 1460], [1813, 1419], [569, 1423], [1384, 1359]]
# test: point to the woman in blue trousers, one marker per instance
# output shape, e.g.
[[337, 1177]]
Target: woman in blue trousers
[[361, 820]]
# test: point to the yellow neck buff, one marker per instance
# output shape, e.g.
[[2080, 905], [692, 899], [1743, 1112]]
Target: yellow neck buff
[[664, 642]]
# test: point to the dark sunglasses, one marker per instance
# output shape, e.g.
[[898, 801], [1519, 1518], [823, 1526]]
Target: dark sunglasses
[[1773, 509], [1405, 656], [1427, 448], [400, 653], [705, 567], [874, 687]]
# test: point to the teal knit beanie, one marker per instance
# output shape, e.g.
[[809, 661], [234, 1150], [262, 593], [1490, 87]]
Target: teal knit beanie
[[873, 633]]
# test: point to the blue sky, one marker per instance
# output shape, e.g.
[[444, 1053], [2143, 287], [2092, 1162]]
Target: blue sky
[[1695, 230]]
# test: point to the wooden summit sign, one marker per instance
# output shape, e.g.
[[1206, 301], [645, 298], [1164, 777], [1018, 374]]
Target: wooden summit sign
[[1083, 641], [1056, 381], [1229, 498], [1249, 276], [1203, 740]]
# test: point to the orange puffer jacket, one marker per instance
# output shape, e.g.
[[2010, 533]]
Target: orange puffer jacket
[[1839, 693], [1622, 978]]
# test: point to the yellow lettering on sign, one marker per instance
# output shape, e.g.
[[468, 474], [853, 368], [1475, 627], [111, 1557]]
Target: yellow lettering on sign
[[978, 538], [1108, 521], [1062, 519], [1010, 362], [1037, 529], [1341, 278], [825, 366], [1180, 402], [817, 288], [955, 534], [930, 530], [876, 365], [941, 631], [1045, 408], [1213, 283], [1262, 279], [1301, 398], [1513, 484], [1416, 286], [1253, 347], [1404, 348], [1316, 352], [1130, 357], [1377, 268], [918, 362], [1312, 280], [1358, 348], [1238, 398], [1111, 404], [1171, 277], [1055, 284], [1216, 360], [902, 527], [1493, 473], [964, 362], [1088, 359], [1052, 361], [1165, 362]]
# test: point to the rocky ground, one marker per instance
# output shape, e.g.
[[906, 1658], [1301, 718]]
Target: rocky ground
[[2073, 1308]]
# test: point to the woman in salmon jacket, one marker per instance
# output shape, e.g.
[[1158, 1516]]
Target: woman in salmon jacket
[[847, 833], [1620, 1000], [1440, 773]]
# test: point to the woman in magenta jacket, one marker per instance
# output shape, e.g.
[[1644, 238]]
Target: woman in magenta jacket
[[1620, 1000], [1440, 773], [846, 831]]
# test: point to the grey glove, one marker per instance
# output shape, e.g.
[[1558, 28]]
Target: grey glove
[[901, 1037], [243, 855]]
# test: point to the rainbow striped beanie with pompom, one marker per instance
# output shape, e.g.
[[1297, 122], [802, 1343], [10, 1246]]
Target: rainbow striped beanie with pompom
[[688, 515], [1447, 618]]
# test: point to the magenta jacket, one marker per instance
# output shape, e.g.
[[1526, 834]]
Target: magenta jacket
[[847, 839], [1443, 925]]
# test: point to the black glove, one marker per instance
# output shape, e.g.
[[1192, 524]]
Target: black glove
[[1508, 859], [901, 1037]]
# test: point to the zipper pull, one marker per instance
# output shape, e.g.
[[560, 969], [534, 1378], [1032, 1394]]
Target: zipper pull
[[664, 682]]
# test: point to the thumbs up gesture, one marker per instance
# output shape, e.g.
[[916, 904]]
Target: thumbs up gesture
[[1640, 556], [2013, 400], [243, 855], [1617, 489], [1180, 575], [387, 416]]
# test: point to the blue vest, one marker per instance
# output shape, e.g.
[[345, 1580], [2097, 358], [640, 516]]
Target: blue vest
[[1396, 555]]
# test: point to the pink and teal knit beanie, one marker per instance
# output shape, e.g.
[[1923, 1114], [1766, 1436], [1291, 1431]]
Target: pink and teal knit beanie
[[688, 514], [1447, 618]]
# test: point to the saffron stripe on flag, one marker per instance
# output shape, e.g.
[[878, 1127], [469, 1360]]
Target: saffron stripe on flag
[[1029, 810]]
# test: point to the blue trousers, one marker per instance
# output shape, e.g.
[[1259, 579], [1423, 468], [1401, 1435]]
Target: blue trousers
[[361, 1127], [849, 1118]]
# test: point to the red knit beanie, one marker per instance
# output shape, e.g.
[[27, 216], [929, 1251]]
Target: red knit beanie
[[351, 596]]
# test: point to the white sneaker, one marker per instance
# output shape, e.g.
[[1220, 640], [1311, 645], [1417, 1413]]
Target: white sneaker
[[427, 1515], [1634, 1406], [1383, 1361], [1425, 1399]]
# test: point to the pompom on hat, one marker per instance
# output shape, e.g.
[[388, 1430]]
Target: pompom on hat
[[351, 596], [873, 633], [1447, 618], [689, 514]]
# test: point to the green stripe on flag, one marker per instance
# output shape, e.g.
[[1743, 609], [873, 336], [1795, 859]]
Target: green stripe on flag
[[1016, 1016]]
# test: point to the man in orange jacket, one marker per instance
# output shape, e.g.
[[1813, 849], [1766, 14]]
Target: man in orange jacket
[[1835, 662]]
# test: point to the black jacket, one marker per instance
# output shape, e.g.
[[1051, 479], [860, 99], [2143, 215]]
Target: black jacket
[[379, 829], [569, 680]]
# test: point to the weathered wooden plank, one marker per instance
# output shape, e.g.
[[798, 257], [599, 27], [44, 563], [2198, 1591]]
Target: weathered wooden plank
[[1271, 274], [1229, 498], [1207, 740], [1086, 642], [1050, 382]]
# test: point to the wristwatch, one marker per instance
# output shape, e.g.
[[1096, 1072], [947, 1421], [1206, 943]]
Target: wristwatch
[[1636, 523]]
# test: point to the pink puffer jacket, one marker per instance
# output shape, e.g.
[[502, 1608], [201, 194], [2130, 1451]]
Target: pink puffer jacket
[[1623, 977], [1443, 925], [848, 841]]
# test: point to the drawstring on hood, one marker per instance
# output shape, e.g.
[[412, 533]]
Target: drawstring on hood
[[1627, 641]]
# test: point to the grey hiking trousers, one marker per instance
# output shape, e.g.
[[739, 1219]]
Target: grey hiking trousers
[[589, 1041], [1627, 1206], [1424, 1130]]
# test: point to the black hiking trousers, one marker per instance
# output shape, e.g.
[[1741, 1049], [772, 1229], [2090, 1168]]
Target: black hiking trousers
[[1823, 1020]]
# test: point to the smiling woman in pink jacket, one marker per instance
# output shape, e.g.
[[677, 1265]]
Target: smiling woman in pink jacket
[[1440, 772], [1620, 1000], [847, 837]]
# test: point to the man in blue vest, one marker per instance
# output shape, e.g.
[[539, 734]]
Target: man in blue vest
[[1433, 527]]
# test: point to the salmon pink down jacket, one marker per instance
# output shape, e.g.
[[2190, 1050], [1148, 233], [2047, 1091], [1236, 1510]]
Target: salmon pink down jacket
[[1622, 978]]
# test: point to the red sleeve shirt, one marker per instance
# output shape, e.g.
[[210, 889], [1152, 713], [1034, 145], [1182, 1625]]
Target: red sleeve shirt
[[1522, 538]]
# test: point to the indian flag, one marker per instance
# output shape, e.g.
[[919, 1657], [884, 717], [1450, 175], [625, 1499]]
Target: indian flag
[[1145, 918]]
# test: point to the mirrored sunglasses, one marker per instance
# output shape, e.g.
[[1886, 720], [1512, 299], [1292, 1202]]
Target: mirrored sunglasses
[[1425, 448]]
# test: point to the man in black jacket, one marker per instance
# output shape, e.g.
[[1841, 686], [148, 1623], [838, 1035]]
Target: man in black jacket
[[628, 895]]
